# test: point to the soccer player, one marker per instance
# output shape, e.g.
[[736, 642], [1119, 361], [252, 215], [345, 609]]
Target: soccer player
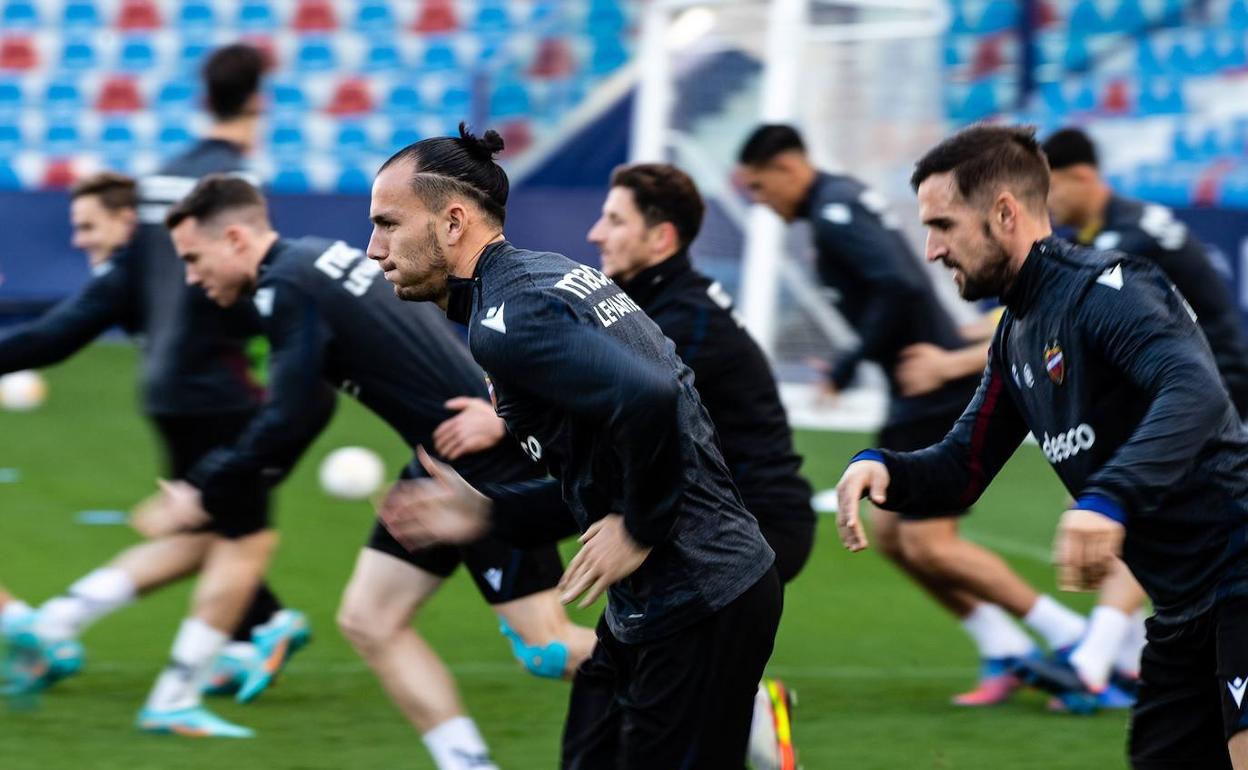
[[592, 390], [1134, 419], [888, 299], [331, 322], [103, 216]]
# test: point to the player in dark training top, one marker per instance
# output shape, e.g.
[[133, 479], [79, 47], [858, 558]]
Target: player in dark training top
[[332, 323], [1132, 415], [592, 390], [887, 297]]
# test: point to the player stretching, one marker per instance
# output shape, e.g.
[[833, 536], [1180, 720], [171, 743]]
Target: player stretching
[[592, 390], [889, 300], [1132, 415]]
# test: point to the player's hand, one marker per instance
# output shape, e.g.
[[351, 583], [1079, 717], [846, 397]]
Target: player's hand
[[608, 555], [175, 508], [921, 368], [475, 429], [1087, 544], [859, 478], [440, 509]]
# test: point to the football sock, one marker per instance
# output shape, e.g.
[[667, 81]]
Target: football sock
[[1108, 628], [456, 744], [1128, 661], [995, 633], [194, 649], [1056, 624], [103, 591]]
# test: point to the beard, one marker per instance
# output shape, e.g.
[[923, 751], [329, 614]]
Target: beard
[[430, 285], [993, 276]]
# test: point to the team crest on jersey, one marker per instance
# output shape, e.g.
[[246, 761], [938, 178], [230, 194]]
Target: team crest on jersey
[[1055, 362]]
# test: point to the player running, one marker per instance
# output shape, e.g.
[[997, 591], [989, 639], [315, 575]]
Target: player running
[[1132, 414], [594, 392], [887, 297], [332, 323]]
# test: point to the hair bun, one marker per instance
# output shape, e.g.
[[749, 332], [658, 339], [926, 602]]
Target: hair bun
[[484, 147]]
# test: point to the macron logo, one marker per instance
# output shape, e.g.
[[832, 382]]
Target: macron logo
[[1237, 687], [494, 319], [1112, 278], [494, 576]]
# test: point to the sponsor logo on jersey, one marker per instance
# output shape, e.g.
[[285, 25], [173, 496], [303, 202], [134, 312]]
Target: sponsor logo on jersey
[[1055, 362], [1066, 445], [583, 281], [614, 308]]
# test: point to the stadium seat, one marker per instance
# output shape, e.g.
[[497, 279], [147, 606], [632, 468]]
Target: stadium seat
[[191, 57], [609, 53], [59, 174], [78, 55], [1116, 99], [119, 94], [1085, 19], [352, 141], [491, 18], [11, 98], [176, 97], [1128, 18], [9, 179], [61, 138], [80, 14], [1237, 14], [19, 14], [137, 55], [351, 97], [998, 16], [1161, 96], [288, 99], [290, 178], [605, 17], [197, 16], [1085, 98], [1076, 57], [547, 17], [138, 15], [402, 137], [436, 17], [18, 53], [173, 137], [315, 16], [1045, 15], [554, 60], [1231, 50], [10, 140], [383, 56], [517, 136], [315, 55], [456, 100], [439, 56], [981, 101], [354, 180], [404, 102], [117, 139], [1147, 62], [988, 57], [256, 16], [286, 142], [510, 99], [375, 16], [62, 97]]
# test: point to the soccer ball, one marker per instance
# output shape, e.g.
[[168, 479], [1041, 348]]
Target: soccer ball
[[23, 391], [352, 473]]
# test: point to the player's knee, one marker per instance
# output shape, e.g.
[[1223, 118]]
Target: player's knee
[[922, 551], [549, 661], [361, 628]]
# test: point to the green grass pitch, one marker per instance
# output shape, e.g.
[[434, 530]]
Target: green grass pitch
[[873, 663]]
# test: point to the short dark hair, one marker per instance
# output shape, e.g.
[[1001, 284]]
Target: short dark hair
[[231, 77], [116, 192], [984, 157], [1069, 147], [214, 195], [663, 193], [445, 165], [768, 141]]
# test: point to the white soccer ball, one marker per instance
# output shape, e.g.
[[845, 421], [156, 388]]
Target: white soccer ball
[[352, 473], [23, 391]]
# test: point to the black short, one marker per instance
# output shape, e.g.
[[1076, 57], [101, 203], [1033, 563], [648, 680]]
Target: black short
[[683, 701], [920, 434], [502, 572], [792, 540], [1193, 678], [188, 438]]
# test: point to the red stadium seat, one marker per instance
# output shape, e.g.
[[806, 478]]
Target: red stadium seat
[[352, 97], [436, 16], [138, 14], [315, 16], [988, 57], [18, 53], [517, 136], [1117, 99], [119, 94], [59, 174], [554, 59]]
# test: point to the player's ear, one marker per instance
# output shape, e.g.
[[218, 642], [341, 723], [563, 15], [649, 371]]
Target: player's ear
[[663, 238], [1005, 211], [454, 222]]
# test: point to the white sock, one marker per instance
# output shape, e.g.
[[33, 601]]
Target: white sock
[[995, 633], [13, 611], [1128, 661], [1056, 624], [194, 649], [456, 744], [1108, 628], [103, 591]]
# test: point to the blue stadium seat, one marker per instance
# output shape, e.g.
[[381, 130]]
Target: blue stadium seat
[[117, 139], [999, 16], [1053, 97], [1085, 19], [256, 16], [491, 18], [980, 102], [1076, 57], [605, 17], [439, 56], [286, 142], [81, 14], [137, 55], [383, 56], [1085, 99], [402, 137], [548, 17], [315, 55], [288, 99], [191, 56], [1161, 96], [11, 98], [196, 16], [404, 102], [62, 97], [1128, 17], [609, 54], [353, 141], [9, 180], [290, 178], [375, 16], [61, 138], [10, 140], [1147, 62], [354, 180], [19, 14], [175, 97], [78, 54], [1237, 14], [510, 100], [1234, 193], [1231, 44], [456, 100], [173, 138]]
